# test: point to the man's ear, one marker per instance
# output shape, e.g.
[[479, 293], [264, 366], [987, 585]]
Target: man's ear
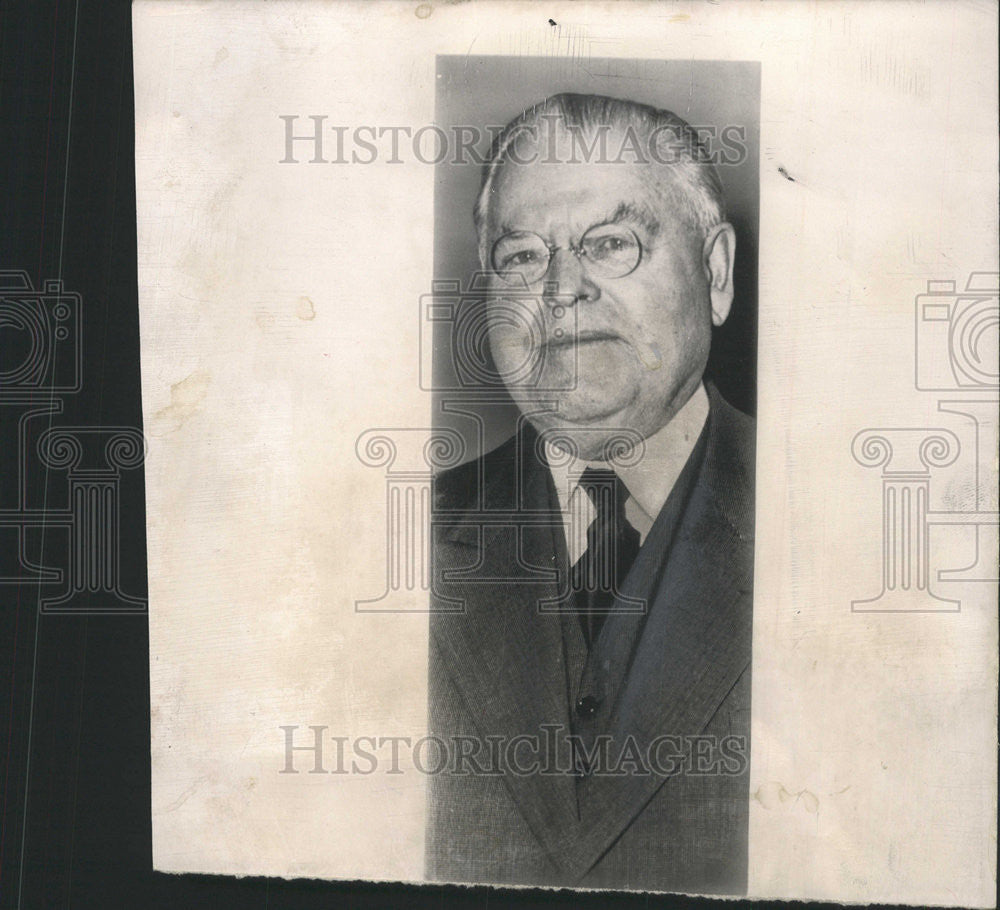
[[718, 255]]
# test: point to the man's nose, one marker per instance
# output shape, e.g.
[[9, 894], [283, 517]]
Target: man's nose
[[568, 279]]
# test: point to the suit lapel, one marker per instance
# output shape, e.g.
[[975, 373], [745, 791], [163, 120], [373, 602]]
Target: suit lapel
[[694, 644], [504, 655]]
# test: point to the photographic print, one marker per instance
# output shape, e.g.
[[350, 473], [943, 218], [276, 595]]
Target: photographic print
[[572, 444]]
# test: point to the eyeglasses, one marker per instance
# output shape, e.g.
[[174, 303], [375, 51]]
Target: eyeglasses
[[606, 250]]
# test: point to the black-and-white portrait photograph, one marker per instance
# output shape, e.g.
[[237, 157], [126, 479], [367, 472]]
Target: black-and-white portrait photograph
[[593, 573]]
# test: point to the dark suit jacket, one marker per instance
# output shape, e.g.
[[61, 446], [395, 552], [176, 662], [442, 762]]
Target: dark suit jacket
[[670, 667]]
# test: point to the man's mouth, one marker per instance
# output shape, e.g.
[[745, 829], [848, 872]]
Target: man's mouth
[[566, 340]]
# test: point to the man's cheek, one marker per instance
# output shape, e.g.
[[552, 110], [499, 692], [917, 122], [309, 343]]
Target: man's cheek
[[606, 361], [514, 351], [510, 341]]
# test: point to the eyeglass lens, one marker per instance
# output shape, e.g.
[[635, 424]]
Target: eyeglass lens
[[607, 250]]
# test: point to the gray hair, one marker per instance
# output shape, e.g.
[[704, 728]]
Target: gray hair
[[672, 142]]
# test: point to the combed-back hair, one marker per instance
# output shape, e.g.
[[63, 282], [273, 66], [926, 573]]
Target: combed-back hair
[[670, 145]]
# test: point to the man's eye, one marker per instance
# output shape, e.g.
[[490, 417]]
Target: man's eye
[[613, 245], [521, 258]]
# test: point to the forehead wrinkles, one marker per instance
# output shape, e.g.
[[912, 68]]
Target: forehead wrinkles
[[576, 195]]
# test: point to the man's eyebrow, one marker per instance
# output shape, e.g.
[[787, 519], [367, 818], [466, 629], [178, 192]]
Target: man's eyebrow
[[636, 213], [626, 211]]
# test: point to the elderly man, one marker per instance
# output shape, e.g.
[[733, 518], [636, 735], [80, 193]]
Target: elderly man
[[592, 576]]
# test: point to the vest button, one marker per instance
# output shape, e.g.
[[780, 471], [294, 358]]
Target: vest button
[[586, 707]]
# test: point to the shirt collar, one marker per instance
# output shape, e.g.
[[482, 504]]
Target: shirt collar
[[650, 481]]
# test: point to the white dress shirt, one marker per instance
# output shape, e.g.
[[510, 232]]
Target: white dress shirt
[[649, 482]]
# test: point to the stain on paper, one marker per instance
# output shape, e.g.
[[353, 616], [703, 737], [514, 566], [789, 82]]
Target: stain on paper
[[773, 795], [185, 398], [305, 309]]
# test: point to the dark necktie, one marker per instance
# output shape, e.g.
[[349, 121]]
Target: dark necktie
[[612, 544]]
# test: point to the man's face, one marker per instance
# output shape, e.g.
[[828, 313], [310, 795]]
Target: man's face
[[635, 345]]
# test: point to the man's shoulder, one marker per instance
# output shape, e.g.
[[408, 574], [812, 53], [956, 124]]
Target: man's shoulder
[[461, 487], [730, 467], [738, 431]]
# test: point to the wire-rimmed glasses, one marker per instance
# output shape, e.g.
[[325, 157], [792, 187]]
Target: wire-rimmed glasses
[[606, 251]]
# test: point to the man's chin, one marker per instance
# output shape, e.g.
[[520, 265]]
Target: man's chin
[[591, 432], [590, 418], [559, 409]]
